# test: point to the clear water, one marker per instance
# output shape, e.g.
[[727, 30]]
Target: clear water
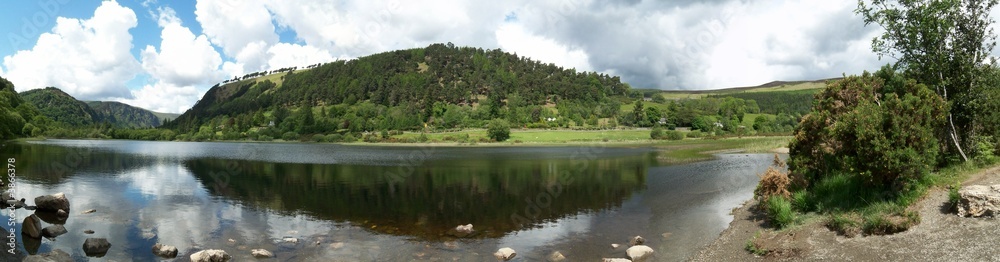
[[377, 203]]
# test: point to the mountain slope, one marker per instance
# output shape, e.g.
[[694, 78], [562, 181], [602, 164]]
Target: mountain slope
[[407, 88], [122, 115], [61, 107]]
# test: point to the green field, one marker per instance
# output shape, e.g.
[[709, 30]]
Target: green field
[[677, 95], [544, 136]]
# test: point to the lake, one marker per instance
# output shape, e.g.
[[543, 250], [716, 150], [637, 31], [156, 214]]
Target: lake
[[377, 203]]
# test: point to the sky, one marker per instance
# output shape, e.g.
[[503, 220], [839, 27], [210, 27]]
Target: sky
[[163, 55]]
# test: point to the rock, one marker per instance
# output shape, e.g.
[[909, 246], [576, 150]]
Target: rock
[[14, 203], [556, 257], [291, 240], [615, 246], [210, 255], [32, 227], [88, 231], [164, 251], [505, 254], [57, 255], [337, 245], [977, 201], [53, 231], [88, 211], [461, 231], [639, 253], [451, 245], [96, 247], [52, 202], [261, 253], [51, 217], [615, 260], [7, 195], [61, 213], [31, 244], [636, 240]]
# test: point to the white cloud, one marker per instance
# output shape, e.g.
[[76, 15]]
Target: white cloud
[[88, 59], [513, 38], [289, 55], [243, 29], [182, 69]]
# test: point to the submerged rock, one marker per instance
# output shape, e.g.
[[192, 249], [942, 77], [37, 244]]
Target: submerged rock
[[636, 240], [88, 211], [615, 246], [210, 255], [96, 247], [32, 227], [164, 251], [977, 201], [639, 252], [337, 245], [88, 231], [53, 231], [461, 231], [261, 253], [57, 255], [615, 260], [556, 257], [52, 202], [505, 254]]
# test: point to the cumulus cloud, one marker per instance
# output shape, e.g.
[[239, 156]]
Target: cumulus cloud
[[87, 58], [514, 38], [182, 68], [243, 29], [289, 55]]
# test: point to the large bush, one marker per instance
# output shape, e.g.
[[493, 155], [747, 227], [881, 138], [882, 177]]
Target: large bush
[[876, 126], [498, 129]]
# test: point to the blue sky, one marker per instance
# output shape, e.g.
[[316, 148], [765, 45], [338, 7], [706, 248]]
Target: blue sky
[[163, 55]]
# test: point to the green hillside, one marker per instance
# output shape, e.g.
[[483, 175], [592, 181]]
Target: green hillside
[[60, 107], [122, 115]]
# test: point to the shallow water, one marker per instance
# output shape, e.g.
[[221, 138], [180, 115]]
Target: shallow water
[[374, 203]]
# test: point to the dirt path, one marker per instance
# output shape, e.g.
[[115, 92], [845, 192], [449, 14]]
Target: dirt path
[[940, 236]]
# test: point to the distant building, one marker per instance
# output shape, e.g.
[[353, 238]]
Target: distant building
[[663, 121], [647, 99], [550, 119], [271, 124]]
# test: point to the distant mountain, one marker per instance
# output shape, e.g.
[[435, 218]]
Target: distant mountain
[[164, 117], [123, 115], [60, 106], [64, 108]]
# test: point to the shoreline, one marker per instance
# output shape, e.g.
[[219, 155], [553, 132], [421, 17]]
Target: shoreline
[[941, 235]]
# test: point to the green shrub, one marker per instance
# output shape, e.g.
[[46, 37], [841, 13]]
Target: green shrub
[[656, 133], [334, 138], [422, 138], [695, 134], [844, 224], [985, 151], [953, 196], [779, 211], [290, 136], [319, 138], [675, 135], [265, 138], [801, 201], [498, 130]]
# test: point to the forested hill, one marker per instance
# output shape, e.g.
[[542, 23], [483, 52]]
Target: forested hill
[[60, 107], [66, 111], [405, 89]]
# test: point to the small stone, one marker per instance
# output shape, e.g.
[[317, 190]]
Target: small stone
[[165, 251], [232, 241], [292, 232], [88, 211], [556, 257], [337, 245], [210, 255], [53, 231], [420, 254], [88, 231], [290, 240], [461, 231], [452, 245], [666, 235], [615, 246], [636, 240], [148, 235], [96, 247], [261, 253], [615, 260], [61, 213], [505, 254], [242, 247], [639, 253]]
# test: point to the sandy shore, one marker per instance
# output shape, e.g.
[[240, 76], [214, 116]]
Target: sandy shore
[[941, 236]]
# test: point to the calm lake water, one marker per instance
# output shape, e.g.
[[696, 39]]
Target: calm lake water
[[377, 203]]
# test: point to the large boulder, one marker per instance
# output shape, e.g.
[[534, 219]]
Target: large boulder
[[639, 253], [53, 231], [505, 254], [96, 247], [32, 226], [56, 255], [977, 201], [164, 251], [210, 255], [52, 203]]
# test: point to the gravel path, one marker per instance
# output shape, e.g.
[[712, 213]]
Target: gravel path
[[940, 236]]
